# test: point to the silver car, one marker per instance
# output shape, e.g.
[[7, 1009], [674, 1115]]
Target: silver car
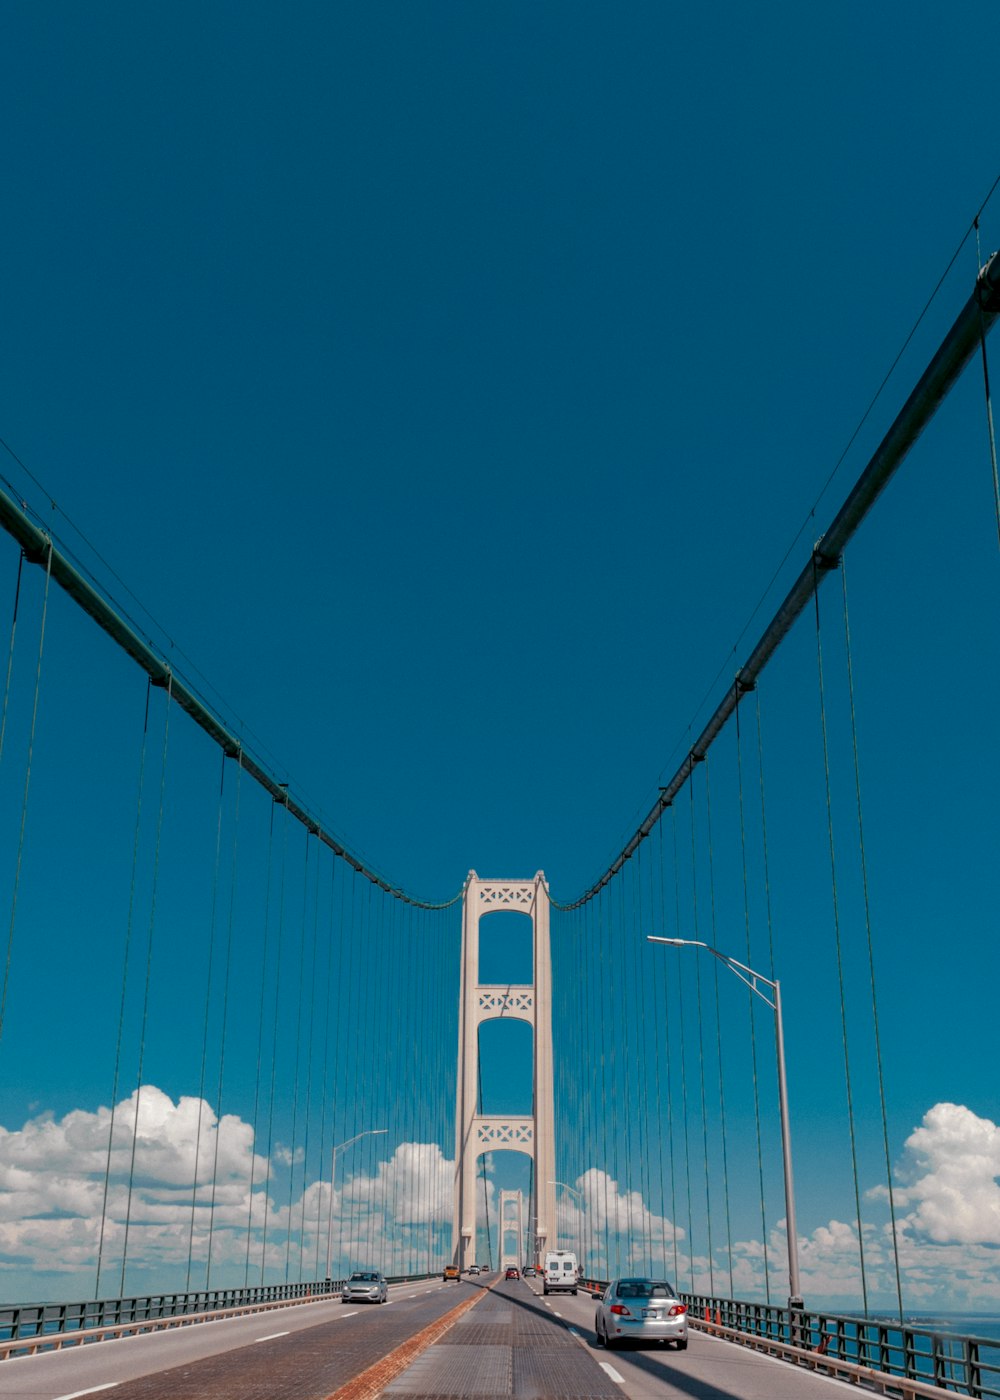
[[641, 1310], [365, 1286]]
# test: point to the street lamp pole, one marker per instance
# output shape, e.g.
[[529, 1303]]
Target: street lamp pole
[[368, 1132], [755, 980], [578, 1195]]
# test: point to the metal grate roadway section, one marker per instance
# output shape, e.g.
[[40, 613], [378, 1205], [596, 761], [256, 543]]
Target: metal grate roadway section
[[506, 1347], [453, 1370]]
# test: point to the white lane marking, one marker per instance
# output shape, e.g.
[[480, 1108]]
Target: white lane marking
[[574, 1333], [270, 1337], [71, 1395], [611, 1373], [350, 1314]]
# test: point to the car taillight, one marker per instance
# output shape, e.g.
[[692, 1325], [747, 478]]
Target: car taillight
[[619, 1310], [678, 1310]]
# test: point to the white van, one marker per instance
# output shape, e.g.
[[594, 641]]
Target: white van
[[560, 1274]]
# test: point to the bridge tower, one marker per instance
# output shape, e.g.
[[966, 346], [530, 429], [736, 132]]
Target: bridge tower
[[511, 1230], [475, 1133]]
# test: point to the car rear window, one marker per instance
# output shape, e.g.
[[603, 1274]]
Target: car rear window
[[643, 1288]]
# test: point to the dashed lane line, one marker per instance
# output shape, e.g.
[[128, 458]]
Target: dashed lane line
[[91, 1391], [611, 1373], [270, 1337]]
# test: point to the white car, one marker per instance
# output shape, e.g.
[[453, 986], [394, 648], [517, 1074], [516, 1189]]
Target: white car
[[365, 1286], [640, 1310]]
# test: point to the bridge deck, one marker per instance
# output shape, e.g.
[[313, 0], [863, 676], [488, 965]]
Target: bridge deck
[[512, 1343]]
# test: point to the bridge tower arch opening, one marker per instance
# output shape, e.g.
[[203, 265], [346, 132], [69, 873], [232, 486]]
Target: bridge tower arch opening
[[531, 1133]]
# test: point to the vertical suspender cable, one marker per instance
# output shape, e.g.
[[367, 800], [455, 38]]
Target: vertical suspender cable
[[145, 996], [605, 1099], [836, 930], [642, 1035], [868, 934], [346, 1036], [664, 1040], [718, 1028], [206, 1018], [298, 1057], [752, 1003], [310, 1054], [225, 1016], [121, 1008], [684, 1095], [279, 959], [325, 1145], [627, 1058], [701, 1056], [260, 1055], [27, 786]]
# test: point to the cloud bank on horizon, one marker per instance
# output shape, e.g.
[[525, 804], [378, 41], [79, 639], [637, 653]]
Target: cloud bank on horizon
[[60, 1177]]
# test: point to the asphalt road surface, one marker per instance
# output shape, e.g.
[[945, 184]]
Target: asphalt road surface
[[298, 1353]]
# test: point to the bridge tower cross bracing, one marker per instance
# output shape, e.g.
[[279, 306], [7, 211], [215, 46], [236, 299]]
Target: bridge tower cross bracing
[[533, 1133]]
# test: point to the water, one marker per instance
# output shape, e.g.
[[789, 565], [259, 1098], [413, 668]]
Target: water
[[982, 1325]]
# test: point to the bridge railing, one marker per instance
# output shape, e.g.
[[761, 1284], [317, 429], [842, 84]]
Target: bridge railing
[[23, 1322], [961, 1363]]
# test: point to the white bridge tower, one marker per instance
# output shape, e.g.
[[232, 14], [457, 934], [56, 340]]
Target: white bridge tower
[[475, 1133]]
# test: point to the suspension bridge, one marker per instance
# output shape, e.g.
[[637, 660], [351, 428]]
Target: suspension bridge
[[311, 1070]]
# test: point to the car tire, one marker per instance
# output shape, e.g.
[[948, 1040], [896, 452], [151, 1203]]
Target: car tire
[[574, 1292], [682, 1346], [599, 1335]]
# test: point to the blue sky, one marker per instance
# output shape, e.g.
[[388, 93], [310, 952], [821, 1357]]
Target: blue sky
[[448, 382]]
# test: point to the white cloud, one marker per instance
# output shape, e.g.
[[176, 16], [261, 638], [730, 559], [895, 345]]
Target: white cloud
[[54, 1173], [398, 1216], [948, 1177]]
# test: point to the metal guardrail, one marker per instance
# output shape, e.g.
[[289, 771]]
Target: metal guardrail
[[53, 1324], [962, 1364], [875, 1350]]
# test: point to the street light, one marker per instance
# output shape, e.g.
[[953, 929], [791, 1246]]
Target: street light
[[754, 980], [368, 1132], [579, 1224]]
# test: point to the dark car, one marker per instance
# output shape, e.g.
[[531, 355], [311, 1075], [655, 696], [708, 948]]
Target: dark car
[[512, 1273]]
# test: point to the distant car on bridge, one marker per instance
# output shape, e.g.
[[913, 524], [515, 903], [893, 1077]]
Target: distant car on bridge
[[365, 1286], [512, 1273], [640, 1310]]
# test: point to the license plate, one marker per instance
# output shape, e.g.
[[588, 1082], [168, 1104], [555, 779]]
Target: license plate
[[654, 1313]]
